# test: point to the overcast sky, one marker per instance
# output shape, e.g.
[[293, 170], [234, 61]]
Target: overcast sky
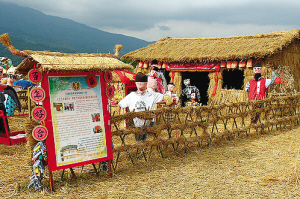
[[155, 19]]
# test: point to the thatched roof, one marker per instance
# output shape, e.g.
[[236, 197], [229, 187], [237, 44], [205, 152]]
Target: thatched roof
[[215, 49], [63, 62]]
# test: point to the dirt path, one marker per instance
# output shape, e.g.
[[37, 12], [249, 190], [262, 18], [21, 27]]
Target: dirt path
[[263, 166]]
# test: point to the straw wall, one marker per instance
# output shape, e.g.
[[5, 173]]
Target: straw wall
[[289, 57]]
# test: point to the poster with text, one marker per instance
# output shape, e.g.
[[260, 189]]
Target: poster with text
[[77, 119]]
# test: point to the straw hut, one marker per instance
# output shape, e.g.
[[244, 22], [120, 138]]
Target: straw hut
[[79, 62], [221, 67], [69, 63]]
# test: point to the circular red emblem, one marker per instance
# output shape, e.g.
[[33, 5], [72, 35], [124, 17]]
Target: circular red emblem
[[39, 113], [108, 76], [40, 133], [35, 76], [37, 94], [91, 81], [110, 91]]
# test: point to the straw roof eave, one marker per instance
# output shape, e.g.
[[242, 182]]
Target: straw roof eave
[[215, 49], [71, 63]]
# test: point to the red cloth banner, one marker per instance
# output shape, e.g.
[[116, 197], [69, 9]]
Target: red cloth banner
[[211, 66]]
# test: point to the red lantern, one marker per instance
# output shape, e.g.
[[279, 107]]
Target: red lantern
[[242, 64], [223, 64], [145, 64], [249, 63], [229, 63], [141, 64], [234, 64], [159, 64], [165, 65]]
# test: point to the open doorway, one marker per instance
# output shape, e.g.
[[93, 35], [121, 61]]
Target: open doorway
[[201, 81]]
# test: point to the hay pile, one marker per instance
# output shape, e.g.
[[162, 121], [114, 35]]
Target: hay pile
[[254, 167]]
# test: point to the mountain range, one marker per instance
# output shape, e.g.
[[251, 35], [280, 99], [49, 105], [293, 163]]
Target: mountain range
[[30, 29]]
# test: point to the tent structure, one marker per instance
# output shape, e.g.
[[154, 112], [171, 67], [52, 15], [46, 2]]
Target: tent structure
[[222, 64]]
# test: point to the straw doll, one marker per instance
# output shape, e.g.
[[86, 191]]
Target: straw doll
[[9, 102], [6, 89], [161, 80], [141, 100], [170, 93], [185, 94], [257, 87], [194, 100]]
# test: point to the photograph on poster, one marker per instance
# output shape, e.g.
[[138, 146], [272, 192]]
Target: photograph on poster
[[58, 107], [96, 117], [69, 106], [78, 121]]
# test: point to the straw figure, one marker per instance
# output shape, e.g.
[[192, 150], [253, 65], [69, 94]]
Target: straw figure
[[257, 86], [194, 100], [185, 94], [161, 80], [6, 89], [9, 102], [169, 116], [141, 100]]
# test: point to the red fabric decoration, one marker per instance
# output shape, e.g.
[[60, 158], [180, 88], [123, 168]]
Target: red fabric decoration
[[216, 84], [173, 76], [277, 80]]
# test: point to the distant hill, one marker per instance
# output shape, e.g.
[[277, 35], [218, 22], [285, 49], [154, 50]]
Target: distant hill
[[30, 29]]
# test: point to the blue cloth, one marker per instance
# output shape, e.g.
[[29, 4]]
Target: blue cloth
[[10, 106], [25, 84]]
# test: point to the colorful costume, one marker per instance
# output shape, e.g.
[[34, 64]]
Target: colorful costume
[[5, 89], [185, 94]]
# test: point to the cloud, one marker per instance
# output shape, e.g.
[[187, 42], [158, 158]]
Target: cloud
[[190, 29], [152, 20]]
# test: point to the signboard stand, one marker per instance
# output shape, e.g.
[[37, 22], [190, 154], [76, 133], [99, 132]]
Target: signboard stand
[[76, 119]]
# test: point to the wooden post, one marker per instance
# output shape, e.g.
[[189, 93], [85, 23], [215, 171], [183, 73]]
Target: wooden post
[[51, 182], [109, 169]]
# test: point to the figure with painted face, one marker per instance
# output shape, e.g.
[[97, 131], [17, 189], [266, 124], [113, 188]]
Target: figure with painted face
[[9, 102], [6, 89], [161, 80], [171, 93], [141, 100], [257, 86], [185, 94], [194, 101], [169, 116]]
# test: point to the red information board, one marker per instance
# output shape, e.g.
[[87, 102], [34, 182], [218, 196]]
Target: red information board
[[77, 120]]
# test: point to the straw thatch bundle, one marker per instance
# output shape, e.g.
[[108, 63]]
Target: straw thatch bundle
[[215, 49], [62, 62], [4, 38], [118, 48]]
